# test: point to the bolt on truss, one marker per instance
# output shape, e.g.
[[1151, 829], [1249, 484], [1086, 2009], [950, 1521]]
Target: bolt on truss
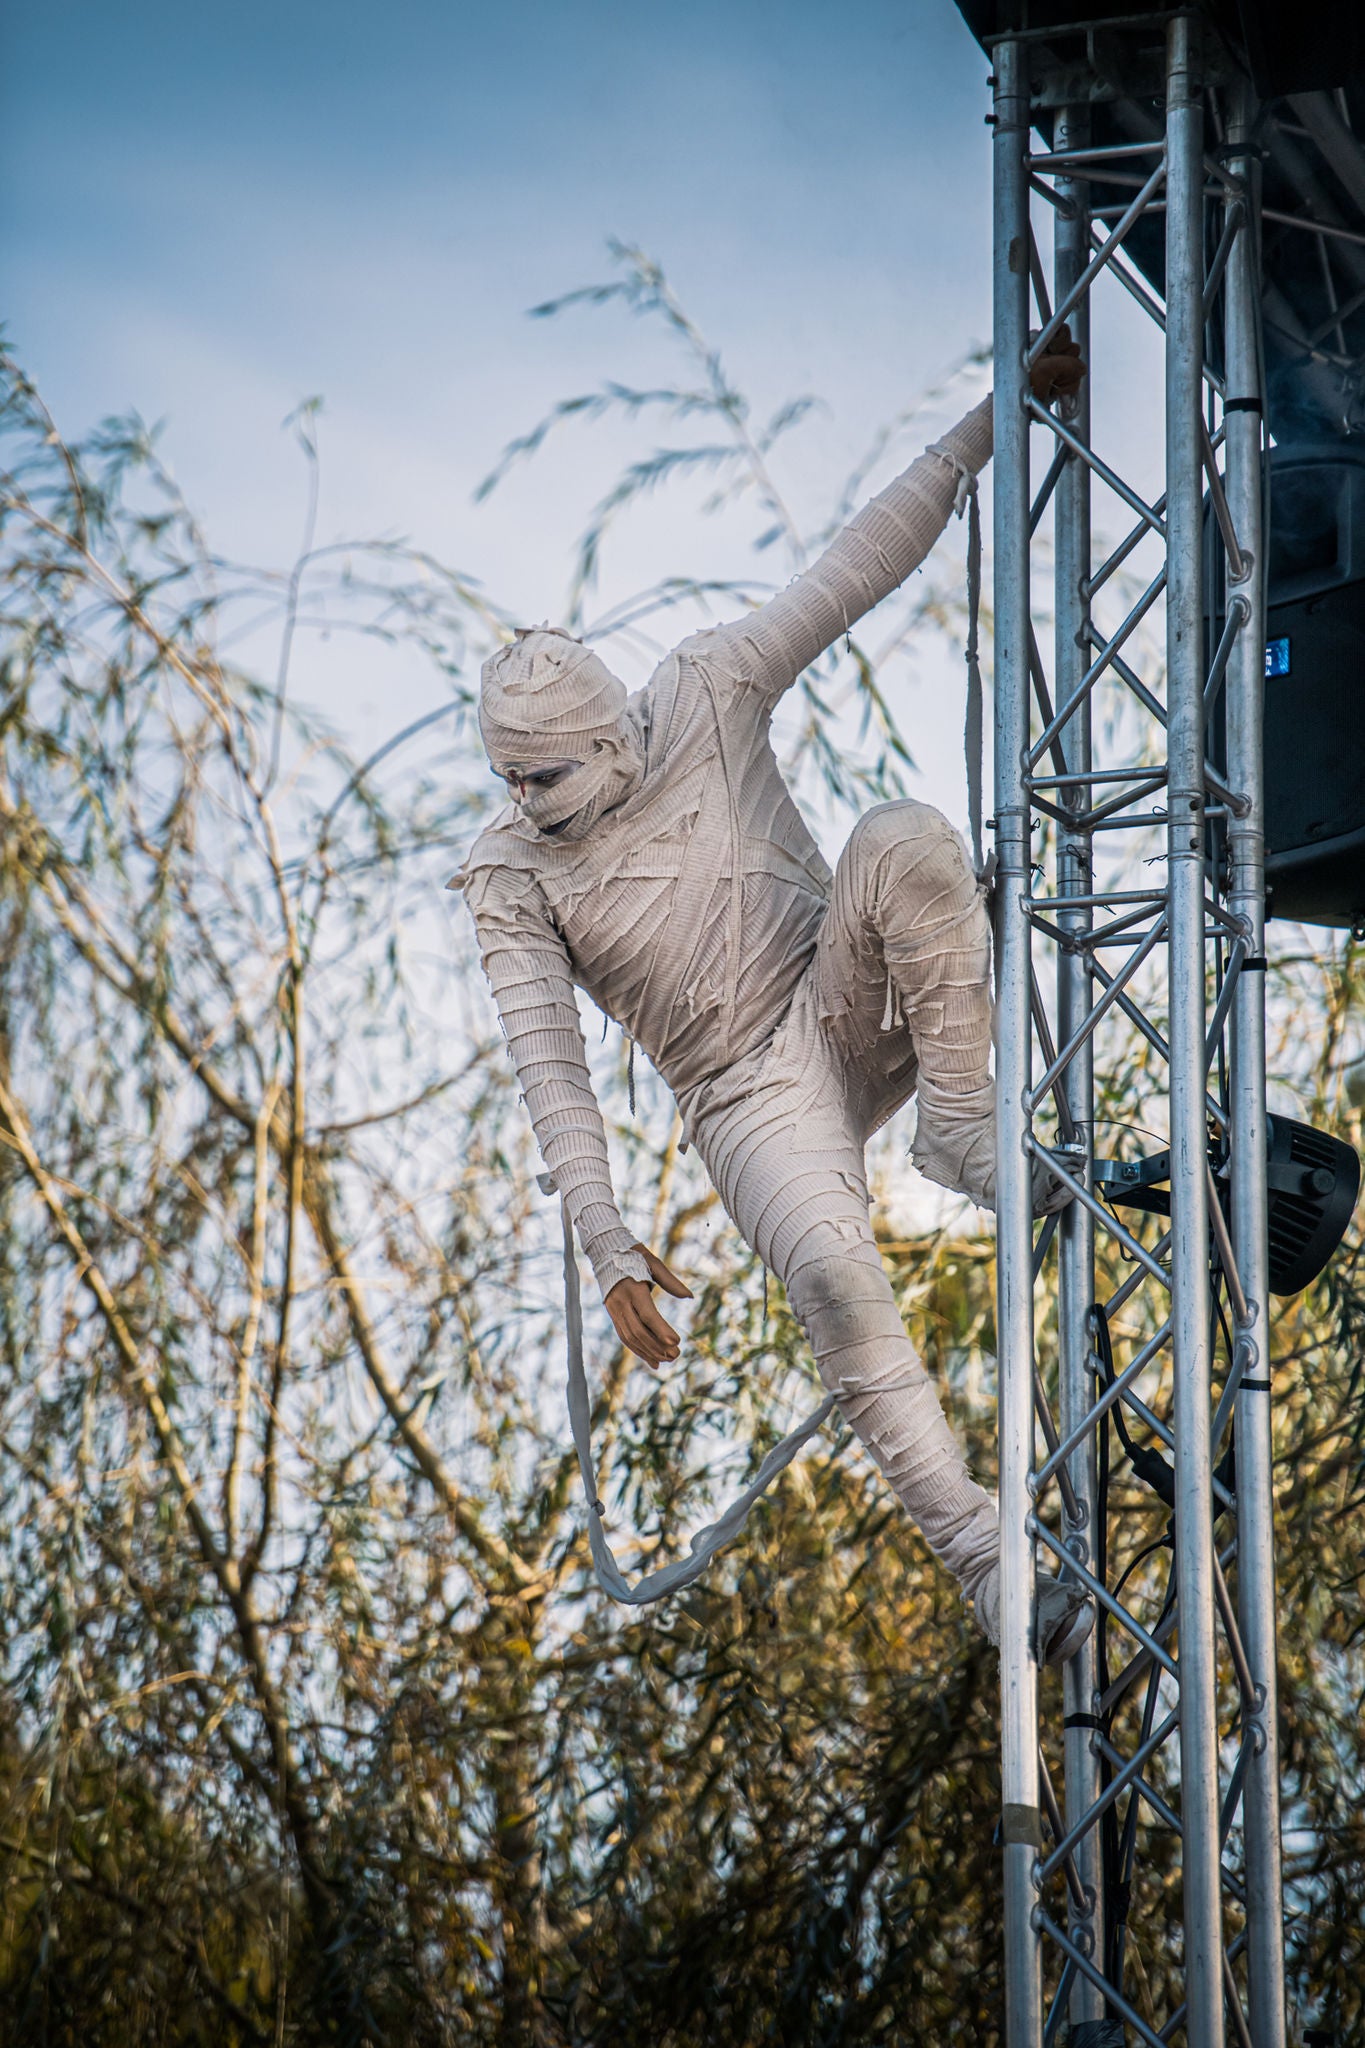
[[1157, 1797]]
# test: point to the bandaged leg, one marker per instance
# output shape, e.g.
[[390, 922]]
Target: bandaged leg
[[788, 1164], [906, 906], [845, 1304], [905, 894]]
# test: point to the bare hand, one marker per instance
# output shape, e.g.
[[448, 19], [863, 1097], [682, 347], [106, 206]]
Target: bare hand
[[1058, 374], [638, 1323]]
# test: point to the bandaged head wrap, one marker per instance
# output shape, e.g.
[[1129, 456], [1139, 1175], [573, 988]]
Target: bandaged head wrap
[[548, 698]]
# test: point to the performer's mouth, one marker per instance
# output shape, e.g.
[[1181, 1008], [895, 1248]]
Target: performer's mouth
[[552, 831]]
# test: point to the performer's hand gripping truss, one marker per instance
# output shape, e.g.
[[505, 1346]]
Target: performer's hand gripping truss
[[654, 856]]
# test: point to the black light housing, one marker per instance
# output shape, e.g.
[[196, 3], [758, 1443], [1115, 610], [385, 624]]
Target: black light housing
[[1313, 1179]]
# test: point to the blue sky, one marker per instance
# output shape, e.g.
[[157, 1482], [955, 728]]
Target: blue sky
[[211, 214]]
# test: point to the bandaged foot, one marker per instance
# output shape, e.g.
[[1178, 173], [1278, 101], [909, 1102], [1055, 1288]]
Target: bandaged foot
[[1063, 1615], [954, 1147]]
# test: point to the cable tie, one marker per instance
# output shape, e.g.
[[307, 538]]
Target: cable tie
[[1021, 1825], [1083, 1721], [1254, 1387], [1242, 405], [1255, 963]]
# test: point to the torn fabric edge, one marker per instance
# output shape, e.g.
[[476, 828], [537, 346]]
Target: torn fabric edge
[[705, 1542]]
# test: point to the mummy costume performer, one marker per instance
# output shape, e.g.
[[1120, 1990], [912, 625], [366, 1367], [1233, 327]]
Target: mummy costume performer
[[655, 858]]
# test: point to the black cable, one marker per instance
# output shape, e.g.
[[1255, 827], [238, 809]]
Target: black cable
[[1158, 1543], [1109, 1838], [1149, 1466], [1127, 1855]]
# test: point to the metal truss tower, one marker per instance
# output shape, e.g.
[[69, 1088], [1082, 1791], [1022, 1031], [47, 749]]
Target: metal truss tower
[[1130, 905]]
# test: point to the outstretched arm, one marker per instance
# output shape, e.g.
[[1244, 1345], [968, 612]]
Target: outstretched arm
[[883, 545], [873, 555], [528, 967]]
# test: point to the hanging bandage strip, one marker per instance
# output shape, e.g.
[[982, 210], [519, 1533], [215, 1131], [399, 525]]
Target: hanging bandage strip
[[972, 734], [972, 737], [706, 1542]]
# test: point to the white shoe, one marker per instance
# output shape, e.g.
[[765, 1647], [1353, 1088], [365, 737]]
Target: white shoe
[[1063, 1615], [963, 1159]]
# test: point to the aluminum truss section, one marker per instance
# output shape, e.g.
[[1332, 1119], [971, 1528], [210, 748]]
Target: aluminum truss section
[[1166, 1748]]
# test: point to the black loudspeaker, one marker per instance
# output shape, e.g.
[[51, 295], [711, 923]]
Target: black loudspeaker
[[1313, 1179], [1315, 685]]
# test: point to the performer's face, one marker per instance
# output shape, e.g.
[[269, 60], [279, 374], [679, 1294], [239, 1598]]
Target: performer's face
[[523, 782]]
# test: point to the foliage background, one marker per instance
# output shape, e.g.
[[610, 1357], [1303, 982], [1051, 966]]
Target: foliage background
[[314, 1726]]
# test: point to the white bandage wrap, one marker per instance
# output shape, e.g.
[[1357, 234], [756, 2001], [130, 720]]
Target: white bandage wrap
[[790, 1010], [546, 697]]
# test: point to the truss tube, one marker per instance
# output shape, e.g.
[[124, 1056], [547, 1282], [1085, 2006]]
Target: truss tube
[[1076, 1250], [1246, 896], [1189, 1199], [1021, 1824], [1076, 1234]]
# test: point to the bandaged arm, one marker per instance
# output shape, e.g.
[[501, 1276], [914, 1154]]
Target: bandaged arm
[[869, 559], [529, 970]]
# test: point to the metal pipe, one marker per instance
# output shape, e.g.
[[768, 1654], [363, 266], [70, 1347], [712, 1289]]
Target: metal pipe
[[1066, 1122], [1218, 499], [1040, 691], [1189, 1197], [1040, 1250], [1091, 1017], [1070, 1504], [1141, 821], [1119, 930], [1097, 263], [1046, 488], [1123, 1777], [1240, 949], [1118, 803], [1235, 799], [1089, 775], [1101, 662], [1232, 227], [1096, 581], [1239, 611], [1130, 497], [1227, 1258], [1102, 1403], [1122, 1295], [1126, 2012], [1059, 2003], [1101, 1214], [1245, 1681], [1097, 899], [1123, 1615], [1055, 1822], [1038, 278], [1076, 1253], [1314, 227], [1145, 697], [1137, 290], [1244, 690], [1233, 1795], [1177, 2019], [1239, 2018], [1142, 1662], [1021, 1823], [1154, 1038], [1056, 159]]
